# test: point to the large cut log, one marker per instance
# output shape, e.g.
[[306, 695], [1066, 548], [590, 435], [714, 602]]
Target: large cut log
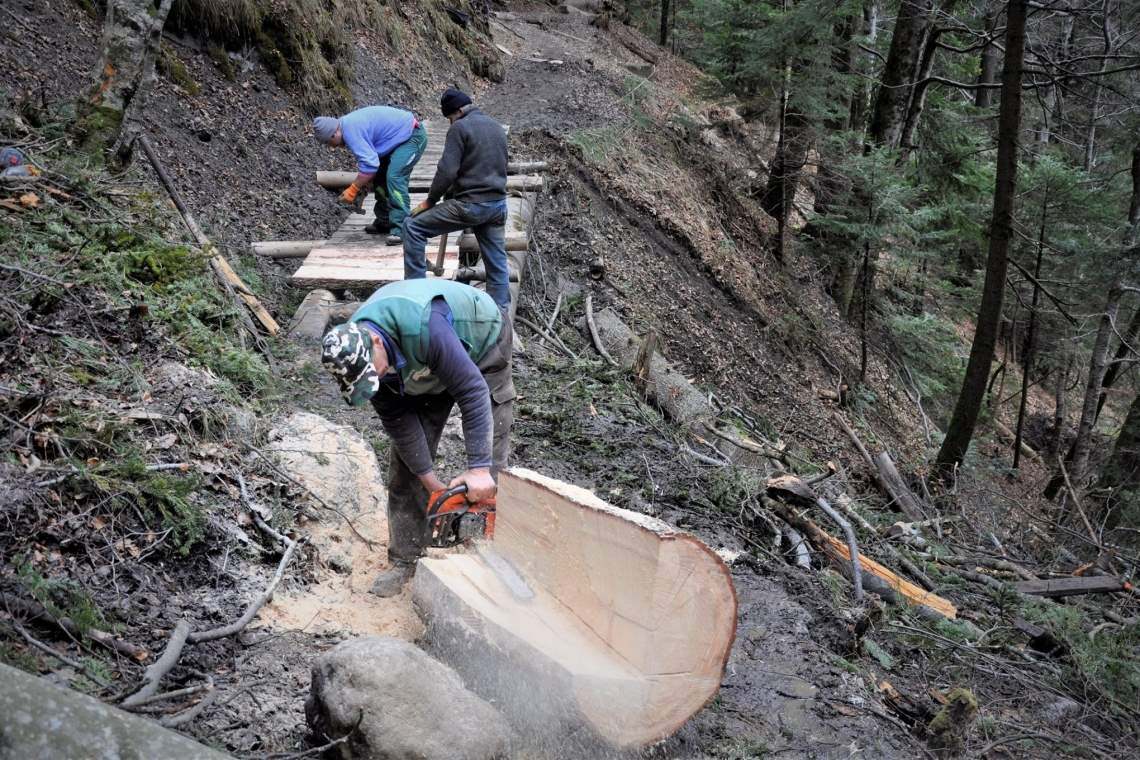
[[627, 633]]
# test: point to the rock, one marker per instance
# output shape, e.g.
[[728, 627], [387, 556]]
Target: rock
[[400, 704], [333, 461], [45, 722]]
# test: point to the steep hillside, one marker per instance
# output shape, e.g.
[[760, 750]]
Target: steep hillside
[[143, 425]]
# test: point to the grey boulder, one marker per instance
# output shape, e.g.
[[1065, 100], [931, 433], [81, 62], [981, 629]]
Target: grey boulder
[[400, 704], [39, 721]]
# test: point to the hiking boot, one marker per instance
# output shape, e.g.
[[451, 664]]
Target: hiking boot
[[391, 581], [395, 239], [376, 228]]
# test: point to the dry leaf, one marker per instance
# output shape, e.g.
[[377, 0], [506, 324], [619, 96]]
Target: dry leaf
[[166, 441], [29, 200], [98, 523]]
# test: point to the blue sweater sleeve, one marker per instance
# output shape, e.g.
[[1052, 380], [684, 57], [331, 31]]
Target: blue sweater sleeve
[[357, 141], [449, 362]]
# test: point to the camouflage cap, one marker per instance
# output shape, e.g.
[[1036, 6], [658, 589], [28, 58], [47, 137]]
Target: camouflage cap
[[346, 352]]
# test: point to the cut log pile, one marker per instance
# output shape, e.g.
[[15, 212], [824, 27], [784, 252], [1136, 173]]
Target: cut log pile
[[628, 631]]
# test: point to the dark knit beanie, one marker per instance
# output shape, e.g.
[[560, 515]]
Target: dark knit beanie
[[453, 100]]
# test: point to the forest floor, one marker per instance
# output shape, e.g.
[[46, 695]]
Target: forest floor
[[659, 182]]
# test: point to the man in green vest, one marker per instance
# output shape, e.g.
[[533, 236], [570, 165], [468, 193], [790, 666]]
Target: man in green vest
[[415, 349]]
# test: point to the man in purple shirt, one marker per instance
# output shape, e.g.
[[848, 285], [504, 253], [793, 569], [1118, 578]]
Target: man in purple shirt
[[387, 141]]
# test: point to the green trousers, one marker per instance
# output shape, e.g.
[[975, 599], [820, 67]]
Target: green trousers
[[392, 196]]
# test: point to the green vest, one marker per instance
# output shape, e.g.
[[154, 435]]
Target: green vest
[[402, 310]]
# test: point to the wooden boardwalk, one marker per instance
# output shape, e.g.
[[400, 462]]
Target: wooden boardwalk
[[351, 258]]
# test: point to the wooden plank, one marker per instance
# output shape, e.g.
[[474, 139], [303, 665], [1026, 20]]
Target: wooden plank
[[360, 274], [627, 634], [1054, 587], [421, 180]]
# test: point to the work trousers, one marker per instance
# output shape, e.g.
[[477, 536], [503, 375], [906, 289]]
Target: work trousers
[[488, 222], [407, 498], [393, 199]]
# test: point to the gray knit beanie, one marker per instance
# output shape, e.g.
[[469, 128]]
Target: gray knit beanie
[[324, 127]]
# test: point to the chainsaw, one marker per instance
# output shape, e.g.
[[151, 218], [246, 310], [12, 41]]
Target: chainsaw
[[453, 519]]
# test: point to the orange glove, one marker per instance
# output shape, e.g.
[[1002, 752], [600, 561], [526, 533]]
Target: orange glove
[[352, 198], [424, 205]]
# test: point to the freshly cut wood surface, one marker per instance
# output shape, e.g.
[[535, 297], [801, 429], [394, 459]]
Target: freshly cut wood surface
[[631, 623]]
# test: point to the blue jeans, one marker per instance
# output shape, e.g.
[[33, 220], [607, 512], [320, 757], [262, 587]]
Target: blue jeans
[[488, 221], [396, 168]]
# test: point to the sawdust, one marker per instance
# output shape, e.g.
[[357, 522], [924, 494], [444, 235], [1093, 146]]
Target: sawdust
[[339, 603]]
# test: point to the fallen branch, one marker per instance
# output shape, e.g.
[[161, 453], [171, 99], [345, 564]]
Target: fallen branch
[[33, 641], [160, 667], [897, 491], [991, 563], [239, 625], [1054, 587], [549, 336], [553, 318], [594, 331], [166, 696], [276, 468], [36, 611], [186, 716], [791, 488], [877, 578], [801, 556], [748, 444], [222, 269]]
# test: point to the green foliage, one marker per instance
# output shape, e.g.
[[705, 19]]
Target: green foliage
[[167, 495], [62, 598], [172, 67], [1108, 663], [931, 349]]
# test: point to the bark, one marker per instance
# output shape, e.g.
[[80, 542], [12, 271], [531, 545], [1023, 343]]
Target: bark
[[991, 58], [1134, 202], [1031, 333], [865, 64], [663, 31], [889, 114], [1082, 446], [1119, 361], [1094, 110], [1122, 470], [1059, 411], [132, 33], [965, 417], [921, 86]]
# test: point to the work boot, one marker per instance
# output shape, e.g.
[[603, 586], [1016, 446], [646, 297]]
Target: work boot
[[394, 238], [391, 581], [376, 228]]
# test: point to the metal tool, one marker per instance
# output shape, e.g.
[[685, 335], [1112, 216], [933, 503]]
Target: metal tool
[[453, 519], [437, 270]]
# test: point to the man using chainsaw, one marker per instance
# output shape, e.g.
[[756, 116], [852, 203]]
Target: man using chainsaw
[[415, 349], [473, 174], [386, 141]]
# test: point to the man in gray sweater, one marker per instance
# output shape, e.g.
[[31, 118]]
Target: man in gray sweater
[[473, 175]]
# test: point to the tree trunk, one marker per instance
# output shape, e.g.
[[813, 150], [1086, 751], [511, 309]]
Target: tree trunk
[[663, 32], [1134, 202], [889, 114], [1059, 412], [991, 57], [783, 179], [1094, 109], [1082, 446], [921, 86], [1031, 333], [1119, 361], [865, 64], [1122, 470], [965, 417], [132, 33]]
